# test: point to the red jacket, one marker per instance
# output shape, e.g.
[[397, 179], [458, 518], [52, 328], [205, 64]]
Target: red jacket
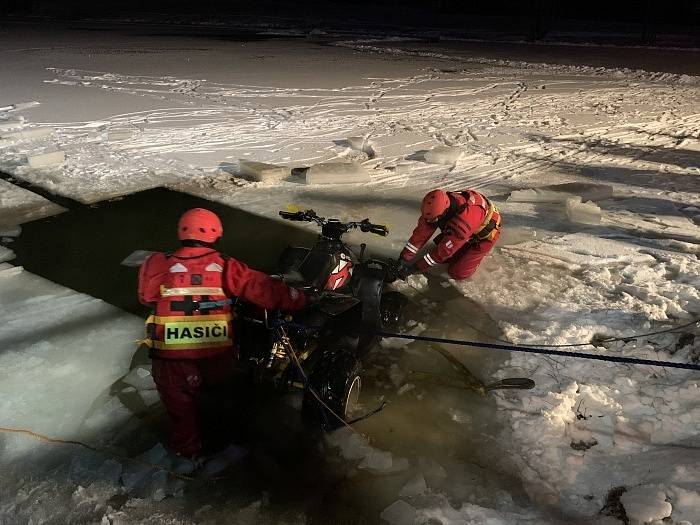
[[175, 284], [467, 217]]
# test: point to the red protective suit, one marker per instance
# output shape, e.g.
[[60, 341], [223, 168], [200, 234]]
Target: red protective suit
[[190, 333], [469, 231]]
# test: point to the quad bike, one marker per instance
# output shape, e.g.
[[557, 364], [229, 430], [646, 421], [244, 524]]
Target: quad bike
[[321, 347]]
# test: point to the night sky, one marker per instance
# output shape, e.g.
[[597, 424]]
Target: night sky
[[532, 17]]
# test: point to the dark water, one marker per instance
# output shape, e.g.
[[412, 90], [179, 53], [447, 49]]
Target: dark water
[[82, 249]]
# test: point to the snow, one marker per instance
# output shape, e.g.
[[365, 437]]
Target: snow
[[375, 135], [563, 192]]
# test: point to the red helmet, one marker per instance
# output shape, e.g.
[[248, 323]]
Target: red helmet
[[199, 224], [434, 204]]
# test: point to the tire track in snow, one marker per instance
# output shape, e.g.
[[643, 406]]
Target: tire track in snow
[[489, 114]]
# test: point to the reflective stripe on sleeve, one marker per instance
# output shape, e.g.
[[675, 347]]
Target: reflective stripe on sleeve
[[429, 260], [411, 248]]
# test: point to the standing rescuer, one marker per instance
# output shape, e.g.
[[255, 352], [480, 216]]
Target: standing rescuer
[[470, 225], [190, 333]]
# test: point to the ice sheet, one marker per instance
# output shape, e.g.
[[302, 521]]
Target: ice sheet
[[262, 172], [337, 173]]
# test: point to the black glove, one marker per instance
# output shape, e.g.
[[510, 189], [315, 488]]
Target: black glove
[[404, 269], [313, 297]]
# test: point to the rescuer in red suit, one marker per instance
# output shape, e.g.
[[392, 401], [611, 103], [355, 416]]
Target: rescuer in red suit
[[469, 225], [190, 333]]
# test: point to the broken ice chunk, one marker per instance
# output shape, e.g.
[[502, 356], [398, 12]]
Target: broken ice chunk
[[516, 235], [582, 212], [377, 460], [136, 258], [588, 191], [6, 254], [52, 158], [336, 173], [232, 455], [149, 397], [19, 106], [27, 134], [159, 484], [136, 472], [119, 134], [361, 144], [12, 124], [10, 231], [645, 504], [88, 467], [262, 172], [140, 378], [399, 513], [414, 487], [110, 413], [443, 155], [352, 446]]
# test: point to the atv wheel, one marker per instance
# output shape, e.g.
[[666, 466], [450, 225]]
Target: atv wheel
[[336, 381]]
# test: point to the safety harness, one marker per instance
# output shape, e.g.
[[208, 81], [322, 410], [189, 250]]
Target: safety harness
[[489, 226], [188, 319]]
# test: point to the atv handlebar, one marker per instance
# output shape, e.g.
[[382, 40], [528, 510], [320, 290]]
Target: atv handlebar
[[310, 216]]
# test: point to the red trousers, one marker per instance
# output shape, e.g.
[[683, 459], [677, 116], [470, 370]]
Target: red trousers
[[465, 262], [187, 388]]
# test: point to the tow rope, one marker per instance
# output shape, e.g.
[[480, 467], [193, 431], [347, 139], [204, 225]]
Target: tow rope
[[545, 351]]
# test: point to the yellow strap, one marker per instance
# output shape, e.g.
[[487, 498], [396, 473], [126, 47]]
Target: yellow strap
[[487, 218], [191, 290], [160, 345]]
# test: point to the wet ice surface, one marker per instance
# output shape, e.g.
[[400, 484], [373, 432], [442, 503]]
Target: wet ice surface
[[134, 112], [432, 445], [427, 432]]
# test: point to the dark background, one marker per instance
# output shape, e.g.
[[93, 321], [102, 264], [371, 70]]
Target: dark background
[[614, 21]]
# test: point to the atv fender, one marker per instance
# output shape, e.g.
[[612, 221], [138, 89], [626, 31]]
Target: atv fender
[[367, 284]]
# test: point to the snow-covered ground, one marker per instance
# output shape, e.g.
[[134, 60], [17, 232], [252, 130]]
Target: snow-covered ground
[[133, 112]]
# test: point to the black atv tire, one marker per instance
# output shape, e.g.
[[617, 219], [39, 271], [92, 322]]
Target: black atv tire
[[336, 380]]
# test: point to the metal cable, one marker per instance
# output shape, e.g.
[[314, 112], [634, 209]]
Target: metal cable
[[531, 350]]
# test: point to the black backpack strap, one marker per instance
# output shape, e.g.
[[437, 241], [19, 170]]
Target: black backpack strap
[[454, 209]]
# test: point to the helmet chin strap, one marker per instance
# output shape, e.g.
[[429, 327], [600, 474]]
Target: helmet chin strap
[[193, 243]]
